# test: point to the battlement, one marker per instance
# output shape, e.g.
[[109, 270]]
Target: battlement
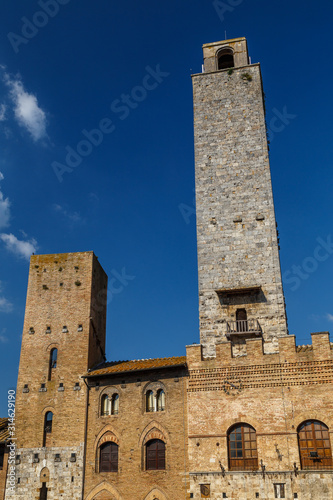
[[321, 349]]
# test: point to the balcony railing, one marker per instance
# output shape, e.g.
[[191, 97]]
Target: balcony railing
[[247, 327]]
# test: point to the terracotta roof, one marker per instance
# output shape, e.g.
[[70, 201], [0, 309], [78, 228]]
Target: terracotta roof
[[137, 365], [4, 433]]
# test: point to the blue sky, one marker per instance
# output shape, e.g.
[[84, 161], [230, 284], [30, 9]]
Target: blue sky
[[65, 68]]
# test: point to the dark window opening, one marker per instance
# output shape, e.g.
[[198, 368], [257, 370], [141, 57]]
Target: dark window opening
[[314, 445], [155, 455], [242, 448], [53, 361], [108, 457], [225, 59], [241, 320], [47, 426], [2, 455]]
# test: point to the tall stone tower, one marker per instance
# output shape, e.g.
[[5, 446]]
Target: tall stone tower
[[240, 287], [63, 336]]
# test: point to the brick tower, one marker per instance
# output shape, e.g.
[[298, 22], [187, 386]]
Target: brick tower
[[240, 287], [63, 336]]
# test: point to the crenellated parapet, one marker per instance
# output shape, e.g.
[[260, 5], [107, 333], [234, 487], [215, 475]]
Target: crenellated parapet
[[291, 365]]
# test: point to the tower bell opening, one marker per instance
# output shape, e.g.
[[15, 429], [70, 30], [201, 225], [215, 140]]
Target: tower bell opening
[[225, 58]]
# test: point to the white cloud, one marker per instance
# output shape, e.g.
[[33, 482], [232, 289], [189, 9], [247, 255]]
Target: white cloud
[[74, 217], [27, 111], [4, 208], [20, 248], [329, 317], [3, 109], [5, 305]]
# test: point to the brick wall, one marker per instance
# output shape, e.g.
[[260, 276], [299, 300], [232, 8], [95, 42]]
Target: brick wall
[[66, 310], [129, 428], [274, 393]]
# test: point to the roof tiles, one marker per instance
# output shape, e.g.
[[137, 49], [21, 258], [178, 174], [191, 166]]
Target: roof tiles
[[4, 432], [137, 365]]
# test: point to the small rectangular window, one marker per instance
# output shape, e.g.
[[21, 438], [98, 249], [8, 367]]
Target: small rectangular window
[[279, 490]]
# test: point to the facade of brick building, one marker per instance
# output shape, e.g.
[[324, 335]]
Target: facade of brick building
[[150, 397], [247, 413]]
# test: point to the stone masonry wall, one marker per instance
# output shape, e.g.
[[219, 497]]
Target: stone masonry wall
[[274, 393], [236, 228], [63, 479], [129, 428]]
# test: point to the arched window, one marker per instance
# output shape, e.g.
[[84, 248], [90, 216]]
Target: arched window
[[314, 445], [160, 400], [149, 401], [105, 405], [225, 58], [48, 420], [241, 320], [108, 461], [242, 448], [115, 404], [53, 362], [155, 455]]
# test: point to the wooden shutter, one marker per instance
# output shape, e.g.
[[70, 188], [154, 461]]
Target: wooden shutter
[[155, 458], [109, 458], [314, 445], [242, 447]]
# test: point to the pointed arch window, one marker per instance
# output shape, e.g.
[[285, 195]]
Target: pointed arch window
[[314, 445], [242, 448], [48, 422], [53, 361], [108, 457], [155, 455]]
